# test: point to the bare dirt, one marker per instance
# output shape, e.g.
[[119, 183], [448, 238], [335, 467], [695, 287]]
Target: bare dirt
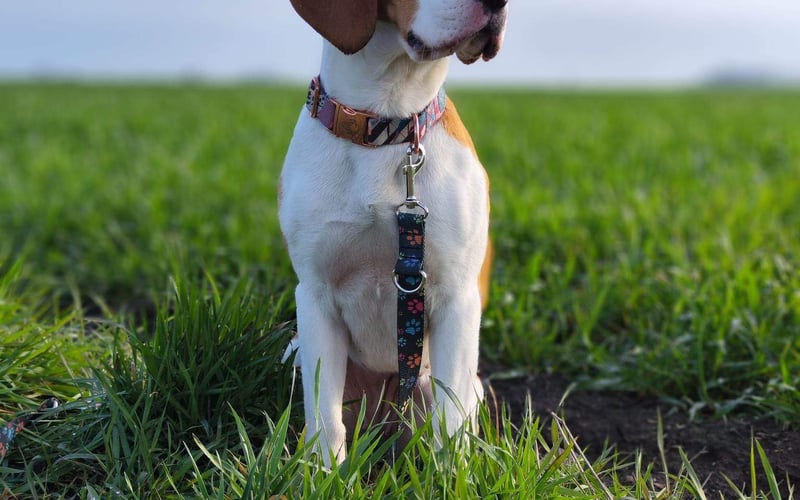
[[629, 421]]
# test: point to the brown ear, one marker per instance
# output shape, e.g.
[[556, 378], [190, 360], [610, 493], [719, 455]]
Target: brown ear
[[347, 24]]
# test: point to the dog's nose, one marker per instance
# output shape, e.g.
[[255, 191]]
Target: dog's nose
[[494, 5]]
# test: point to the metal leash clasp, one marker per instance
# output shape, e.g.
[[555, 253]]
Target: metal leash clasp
[[414, 162], [415, 158]]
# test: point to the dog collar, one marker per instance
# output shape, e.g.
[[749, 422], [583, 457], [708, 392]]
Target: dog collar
[[367, 129]]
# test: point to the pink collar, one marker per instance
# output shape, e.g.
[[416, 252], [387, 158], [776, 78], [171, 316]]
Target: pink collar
[[367, 129]]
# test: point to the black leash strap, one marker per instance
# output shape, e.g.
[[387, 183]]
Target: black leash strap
[[409, 278], [410, 281]]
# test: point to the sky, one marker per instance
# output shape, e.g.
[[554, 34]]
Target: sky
[[548, 42]]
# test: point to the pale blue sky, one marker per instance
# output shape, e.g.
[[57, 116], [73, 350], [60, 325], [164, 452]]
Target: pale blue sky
[[579, 42]]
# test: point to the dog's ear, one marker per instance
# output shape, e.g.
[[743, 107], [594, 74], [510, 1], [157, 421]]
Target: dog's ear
[[347, 24]]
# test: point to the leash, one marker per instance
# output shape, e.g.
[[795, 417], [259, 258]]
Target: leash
[[11, 429], [409, 279]]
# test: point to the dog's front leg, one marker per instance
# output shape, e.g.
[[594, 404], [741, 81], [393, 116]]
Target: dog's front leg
[[323, 353], [454, 360]]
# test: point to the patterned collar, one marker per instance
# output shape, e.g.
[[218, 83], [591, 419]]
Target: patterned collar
[[367, 129]]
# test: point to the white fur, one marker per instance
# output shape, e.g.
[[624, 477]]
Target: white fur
[[337, 215]]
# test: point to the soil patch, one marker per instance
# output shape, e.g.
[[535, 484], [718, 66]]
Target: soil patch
[[630, 422]]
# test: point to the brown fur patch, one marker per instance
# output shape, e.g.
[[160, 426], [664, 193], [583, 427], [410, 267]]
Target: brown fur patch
[[347, 24], [378, 391], [455, 127], [484, 277], [399, 12]]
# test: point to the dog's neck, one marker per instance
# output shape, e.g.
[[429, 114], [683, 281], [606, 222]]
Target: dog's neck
[[381, 78]]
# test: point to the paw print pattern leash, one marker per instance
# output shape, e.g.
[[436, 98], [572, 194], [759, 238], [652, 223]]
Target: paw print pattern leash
[[409, 278]]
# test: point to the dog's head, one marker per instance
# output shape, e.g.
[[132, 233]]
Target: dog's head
[[427, 29]]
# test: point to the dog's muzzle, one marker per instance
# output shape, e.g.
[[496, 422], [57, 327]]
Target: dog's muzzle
[[486, 43]]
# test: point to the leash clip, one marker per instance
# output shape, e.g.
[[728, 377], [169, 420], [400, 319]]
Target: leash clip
[[415, 158]]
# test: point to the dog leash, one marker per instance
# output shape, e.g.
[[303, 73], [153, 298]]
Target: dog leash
[[409, 278]]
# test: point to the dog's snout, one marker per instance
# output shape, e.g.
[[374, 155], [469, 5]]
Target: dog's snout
[[494, 5]]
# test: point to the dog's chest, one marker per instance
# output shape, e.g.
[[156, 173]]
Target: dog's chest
[[356, 257], [339, 217], [359, 248]]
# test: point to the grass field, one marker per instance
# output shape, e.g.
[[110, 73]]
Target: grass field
[[644, 241]]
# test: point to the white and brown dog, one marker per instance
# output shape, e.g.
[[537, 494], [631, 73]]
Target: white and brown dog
[[339, 195]]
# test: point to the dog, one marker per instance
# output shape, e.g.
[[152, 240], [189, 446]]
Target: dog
[[383, 61]]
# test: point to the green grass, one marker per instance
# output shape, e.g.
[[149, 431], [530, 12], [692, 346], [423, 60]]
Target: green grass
[[645, 241], [650, 242]]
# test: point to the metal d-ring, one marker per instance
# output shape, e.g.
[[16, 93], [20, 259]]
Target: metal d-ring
[[423, 278], [411, 204]]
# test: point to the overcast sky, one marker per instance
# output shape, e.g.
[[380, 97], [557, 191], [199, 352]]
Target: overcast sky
[[579, 42]]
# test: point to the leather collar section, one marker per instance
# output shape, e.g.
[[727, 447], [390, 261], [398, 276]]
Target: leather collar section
[[368, 129]]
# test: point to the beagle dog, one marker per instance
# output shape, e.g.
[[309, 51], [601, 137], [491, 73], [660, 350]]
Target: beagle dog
[[377, 98]]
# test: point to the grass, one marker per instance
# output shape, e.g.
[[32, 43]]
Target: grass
[[644, 241], [649, 242]]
